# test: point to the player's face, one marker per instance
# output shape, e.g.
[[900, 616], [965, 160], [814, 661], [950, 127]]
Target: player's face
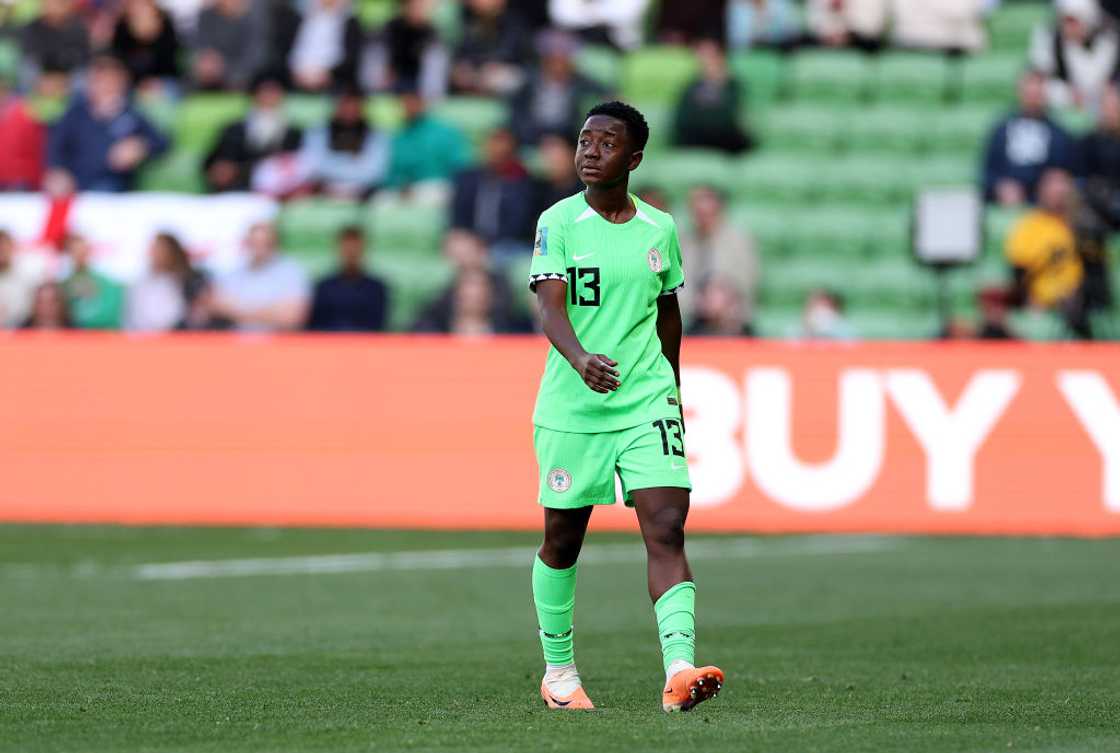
[[604, 156]]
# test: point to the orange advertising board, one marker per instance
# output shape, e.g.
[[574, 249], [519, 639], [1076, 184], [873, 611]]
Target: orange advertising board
[[434, 432]]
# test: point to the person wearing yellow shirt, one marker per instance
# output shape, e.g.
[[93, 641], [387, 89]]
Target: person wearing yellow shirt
[[1042, 247]]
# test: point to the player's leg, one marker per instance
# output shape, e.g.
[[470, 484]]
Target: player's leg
[[661, 514], [574, 475]]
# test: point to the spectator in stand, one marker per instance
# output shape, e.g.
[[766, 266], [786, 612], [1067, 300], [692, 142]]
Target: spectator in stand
[[265, 131], [23, 141], [230, 44], [495, 200], [688, 22], [20, 275], [715, 249], [49, 309], [720, 312], [346, 158], [1099, 160], [554, 96], [145, 40], [1080, 55], [847, 23], [56, 40], [762, 23], [327, 47], [415, 58], [350, 300], [168, 296], [425, 148], [493, 48], [949, 25], [615, 22], [101, 140], [823, 318], [476, 303], [1023, 145], [707, 114], [993, 315], [95, 301], [559, 179], [1042, 248], [269, 293]]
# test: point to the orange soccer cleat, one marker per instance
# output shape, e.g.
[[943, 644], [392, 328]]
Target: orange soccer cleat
[[574, 700], [691, 686]]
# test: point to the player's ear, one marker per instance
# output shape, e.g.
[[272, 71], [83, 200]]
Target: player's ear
[[635, 160]]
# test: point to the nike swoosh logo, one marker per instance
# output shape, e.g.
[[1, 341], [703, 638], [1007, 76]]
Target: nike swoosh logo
[[676, 467], [558, 703], [581, 258]]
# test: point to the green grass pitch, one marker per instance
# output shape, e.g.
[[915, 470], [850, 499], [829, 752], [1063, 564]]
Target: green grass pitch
[[935, 645]]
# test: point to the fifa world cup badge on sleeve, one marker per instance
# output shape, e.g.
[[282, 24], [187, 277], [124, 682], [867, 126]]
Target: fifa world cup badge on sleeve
[[540, 244]]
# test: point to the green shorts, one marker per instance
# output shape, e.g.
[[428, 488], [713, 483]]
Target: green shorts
[[577, 470]]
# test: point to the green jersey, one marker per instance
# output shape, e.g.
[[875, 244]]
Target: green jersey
[[614, 273]]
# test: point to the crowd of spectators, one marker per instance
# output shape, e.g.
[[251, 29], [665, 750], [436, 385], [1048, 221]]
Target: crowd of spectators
[[102, 60]]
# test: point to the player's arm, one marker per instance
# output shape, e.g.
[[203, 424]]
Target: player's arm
[[670, 329], [597, 370]]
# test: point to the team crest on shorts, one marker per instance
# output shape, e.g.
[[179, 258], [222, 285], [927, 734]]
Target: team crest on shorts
[[654, 259], [559, 480]]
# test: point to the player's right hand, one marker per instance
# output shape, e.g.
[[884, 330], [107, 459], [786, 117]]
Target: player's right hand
[[598, 372]]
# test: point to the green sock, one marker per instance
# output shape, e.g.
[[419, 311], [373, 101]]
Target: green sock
[[554, 593], [676, 623]]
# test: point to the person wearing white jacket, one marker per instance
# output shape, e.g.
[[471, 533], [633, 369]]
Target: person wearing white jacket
[[939, 24], [620, 19], [847, 23], [1080, 54]]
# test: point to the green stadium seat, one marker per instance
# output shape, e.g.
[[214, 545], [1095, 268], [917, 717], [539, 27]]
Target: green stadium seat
[[677, 171], [178, 171], [160, 110], [475, 116], [410, 227], [913, 77], [317, 260], [414, 281], [308, 110], [869, 179], [1073, 120], [1032, 324], [891, 324], [659, 116], [202, 117], [886, 128], [991, 79], [764, 73], [314, 223], [1011, 26], [657, 73], [963, 128], [804, 127], [373, 14], [946, 171], [599, 63], [832, 76], [384, 112], [773, 177], [998, 222]]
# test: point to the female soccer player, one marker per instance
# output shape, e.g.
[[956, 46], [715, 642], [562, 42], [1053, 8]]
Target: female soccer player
[[605, 270]]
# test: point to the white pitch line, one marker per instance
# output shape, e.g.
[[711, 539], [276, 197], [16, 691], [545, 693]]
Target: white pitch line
[[454, 559]]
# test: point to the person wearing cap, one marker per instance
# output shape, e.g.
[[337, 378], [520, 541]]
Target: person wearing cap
[[102, 140], [1080, 54], [552, 97], [264, 132]]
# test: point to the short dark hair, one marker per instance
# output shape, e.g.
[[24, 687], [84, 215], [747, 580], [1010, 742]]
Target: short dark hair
[[347, 232], [634, 120]]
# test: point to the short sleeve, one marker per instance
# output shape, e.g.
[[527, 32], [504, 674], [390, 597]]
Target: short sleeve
[[550, 259], [673, 278]]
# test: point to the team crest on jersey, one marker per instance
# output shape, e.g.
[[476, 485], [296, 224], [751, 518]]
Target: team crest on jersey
[[655, 262], [540, 244], [559, 480]]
